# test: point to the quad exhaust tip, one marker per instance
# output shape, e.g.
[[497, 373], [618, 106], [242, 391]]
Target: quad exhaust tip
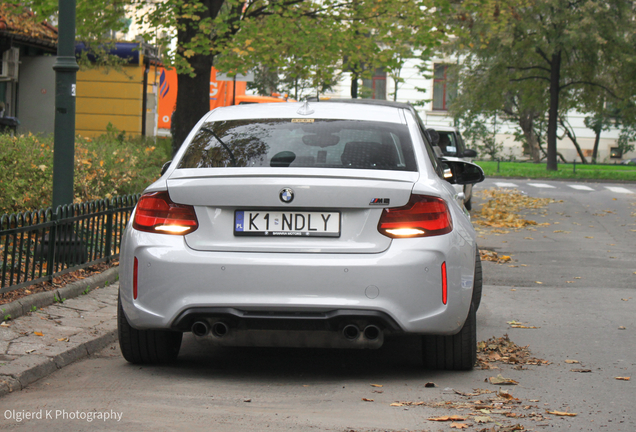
[[372, 332], [219, 329], [200, 328], [351, 332]]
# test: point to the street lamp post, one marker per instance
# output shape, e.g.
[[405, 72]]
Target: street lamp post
[[65, 68]]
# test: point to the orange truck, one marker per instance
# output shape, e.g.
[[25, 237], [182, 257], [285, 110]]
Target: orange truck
[[221, 94]]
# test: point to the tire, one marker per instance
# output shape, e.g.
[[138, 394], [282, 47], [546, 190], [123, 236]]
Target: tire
[[146, 346], [477, 282], [456, 352]]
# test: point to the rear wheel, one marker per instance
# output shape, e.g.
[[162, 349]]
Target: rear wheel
[[477, 281], [146, 346], [456, 352]]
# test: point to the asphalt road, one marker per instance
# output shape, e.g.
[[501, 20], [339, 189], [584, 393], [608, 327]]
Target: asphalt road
[[303, 390]]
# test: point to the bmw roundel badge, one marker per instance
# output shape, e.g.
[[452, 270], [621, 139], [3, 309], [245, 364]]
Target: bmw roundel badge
[[286, 195]]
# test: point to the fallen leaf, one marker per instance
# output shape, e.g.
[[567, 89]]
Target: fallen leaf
[[30, 351], [627, 299], [541, 283], [590, 237], [528, 238], [577, 277], [561, 413], [459, 426], [38, 333], [62, 340], [569, 361], [622, 328], [377, 391], [482, 419], [5, 324], [500, 380], [247, 400], [447, 418], [623, 378], [581, 370], [368, 400], [376, 385], [429, 385], [397, 404]]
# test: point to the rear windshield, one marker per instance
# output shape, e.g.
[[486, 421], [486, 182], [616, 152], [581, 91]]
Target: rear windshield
[[301, 143]]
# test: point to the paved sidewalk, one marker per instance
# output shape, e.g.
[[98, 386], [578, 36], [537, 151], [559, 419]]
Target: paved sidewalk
[[40, 342]]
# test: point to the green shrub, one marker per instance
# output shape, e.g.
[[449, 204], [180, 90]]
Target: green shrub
[[106, 166]]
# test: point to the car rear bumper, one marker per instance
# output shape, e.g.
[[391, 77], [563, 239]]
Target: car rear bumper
[[402, 284]]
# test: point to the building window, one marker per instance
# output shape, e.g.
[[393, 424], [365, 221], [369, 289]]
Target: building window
[[443, 90], [375, 88]]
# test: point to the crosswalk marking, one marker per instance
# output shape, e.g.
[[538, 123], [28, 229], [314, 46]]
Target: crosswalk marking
[[618, 189], [542, 185], [506, 185], [581, 187]]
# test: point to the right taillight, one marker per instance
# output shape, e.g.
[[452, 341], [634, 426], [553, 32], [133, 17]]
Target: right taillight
[[156, 213], [423, 216]]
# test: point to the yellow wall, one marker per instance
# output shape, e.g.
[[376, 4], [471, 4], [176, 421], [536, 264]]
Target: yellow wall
[[109, 96]]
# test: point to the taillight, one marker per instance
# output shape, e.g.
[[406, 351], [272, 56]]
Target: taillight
[[423, 216], [156, 213]]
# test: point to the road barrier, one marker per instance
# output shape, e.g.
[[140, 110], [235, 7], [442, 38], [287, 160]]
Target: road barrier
[[37, 246]]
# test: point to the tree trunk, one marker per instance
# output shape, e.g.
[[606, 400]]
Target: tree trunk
[[354, 85], [555, 78], [526, 122], [193, 93], [597, 139], [572, 137]]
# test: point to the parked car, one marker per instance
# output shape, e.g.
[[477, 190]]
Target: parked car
[[631, 161], [303, 224], [452, 144]]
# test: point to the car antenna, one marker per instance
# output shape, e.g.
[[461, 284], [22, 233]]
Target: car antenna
[[305, 109]]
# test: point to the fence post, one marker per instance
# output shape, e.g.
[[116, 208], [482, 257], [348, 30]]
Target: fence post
[[50, 259], [574, 166], [109, 229]]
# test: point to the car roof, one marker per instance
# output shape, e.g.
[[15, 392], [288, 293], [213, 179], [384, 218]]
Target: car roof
[[322, 110], [377, 102]]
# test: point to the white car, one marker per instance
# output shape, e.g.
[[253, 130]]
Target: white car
[[322, 224]]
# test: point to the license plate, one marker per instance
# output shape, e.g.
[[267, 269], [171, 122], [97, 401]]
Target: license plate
[[286, 224]]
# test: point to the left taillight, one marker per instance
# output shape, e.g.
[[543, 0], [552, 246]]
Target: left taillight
[[156, 213], [423, 216]]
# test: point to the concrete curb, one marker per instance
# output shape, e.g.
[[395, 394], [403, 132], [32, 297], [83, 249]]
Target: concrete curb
[[18, 372], [24, 305]]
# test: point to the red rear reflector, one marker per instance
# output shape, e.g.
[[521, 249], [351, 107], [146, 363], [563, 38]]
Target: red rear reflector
[[156, 213], [444, 284], [423, 216], [135, 273]]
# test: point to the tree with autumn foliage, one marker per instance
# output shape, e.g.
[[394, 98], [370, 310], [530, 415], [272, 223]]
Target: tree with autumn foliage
[[545, 55]]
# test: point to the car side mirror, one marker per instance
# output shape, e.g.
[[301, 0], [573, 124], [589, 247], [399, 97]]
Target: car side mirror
[[457, 171], [434, 136], [469, 153], [165, 167]]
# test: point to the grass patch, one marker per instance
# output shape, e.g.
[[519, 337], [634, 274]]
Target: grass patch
[[565, 171]]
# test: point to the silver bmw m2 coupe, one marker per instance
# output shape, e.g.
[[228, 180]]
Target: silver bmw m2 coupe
[[323, 224]]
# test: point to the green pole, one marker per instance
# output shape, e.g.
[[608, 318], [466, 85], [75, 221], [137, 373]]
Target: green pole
[[65, 68]]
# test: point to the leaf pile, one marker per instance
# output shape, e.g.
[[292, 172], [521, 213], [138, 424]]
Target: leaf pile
[[487, 255], [495, 410], [503, 350], [503, 207]]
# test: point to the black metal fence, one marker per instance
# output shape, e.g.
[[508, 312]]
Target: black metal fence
[[36, 246]]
